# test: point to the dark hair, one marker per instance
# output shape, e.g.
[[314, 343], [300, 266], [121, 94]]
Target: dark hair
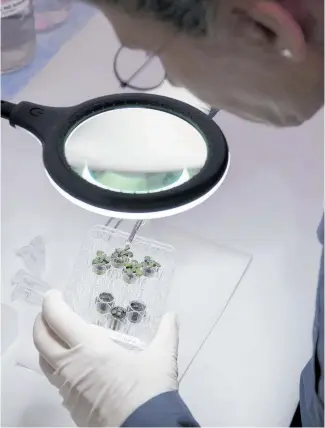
[[188, 16]]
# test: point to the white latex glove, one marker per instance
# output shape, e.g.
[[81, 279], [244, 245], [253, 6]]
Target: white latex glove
[[101, 383]]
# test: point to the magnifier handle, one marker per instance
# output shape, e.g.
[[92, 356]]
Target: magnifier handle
[[6, 108], [35, 118]]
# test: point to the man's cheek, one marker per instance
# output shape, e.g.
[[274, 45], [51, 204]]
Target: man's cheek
[[172, 81], [178, 69], [123, 31]]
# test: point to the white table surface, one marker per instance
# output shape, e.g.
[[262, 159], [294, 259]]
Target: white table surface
[[268, 207]]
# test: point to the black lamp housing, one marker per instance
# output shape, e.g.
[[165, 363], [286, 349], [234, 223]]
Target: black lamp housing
[[53, 125]]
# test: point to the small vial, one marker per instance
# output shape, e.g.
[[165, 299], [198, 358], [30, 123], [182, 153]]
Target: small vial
[[117, 318], [34, 256], [129, 274], [118, 262], [50, 14], [104, 302], [149, 267], [148, 272], [130, 278], [136, 311], [100, 269], [27, 287], [18, 36], [29, 295]]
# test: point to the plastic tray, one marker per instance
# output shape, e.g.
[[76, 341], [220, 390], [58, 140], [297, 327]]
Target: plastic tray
[[85, 288]]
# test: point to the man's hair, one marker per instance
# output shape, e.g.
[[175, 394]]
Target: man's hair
[[188, 16], [192, 16]]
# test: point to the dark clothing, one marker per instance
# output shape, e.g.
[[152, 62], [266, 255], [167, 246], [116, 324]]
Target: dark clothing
[[312, 378], [165, 410], [296, 420]]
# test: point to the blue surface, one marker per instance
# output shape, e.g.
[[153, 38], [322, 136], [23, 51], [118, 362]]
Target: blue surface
[[48, 45]]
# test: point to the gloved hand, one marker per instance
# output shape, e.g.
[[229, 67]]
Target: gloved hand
[[101, 383]]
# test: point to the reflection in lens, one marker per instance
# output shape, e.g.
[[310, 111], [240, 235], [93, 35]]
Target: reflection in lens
[[137, 183], [136, 150]]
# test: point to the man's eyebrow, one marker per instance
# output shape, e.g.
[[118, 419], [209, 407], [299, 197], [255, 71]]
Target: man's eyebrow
[[188, 16]]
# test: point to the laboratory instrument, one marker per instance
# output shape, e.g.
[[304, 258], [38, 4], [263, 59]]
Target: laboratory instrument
[[50, 15], [132, 156], [18, 36]]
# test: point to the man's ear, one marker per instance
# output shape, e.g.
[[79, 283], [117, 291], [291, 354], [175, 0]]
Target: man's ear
[[288, 36]]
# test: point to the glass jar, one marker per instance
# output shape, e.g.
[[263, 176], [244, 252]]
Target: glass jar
[[18, 37], [50, 14]]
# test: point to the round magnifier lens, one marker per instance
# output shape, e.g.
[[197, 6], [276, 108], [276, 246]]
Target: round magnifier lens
[[136, 150]]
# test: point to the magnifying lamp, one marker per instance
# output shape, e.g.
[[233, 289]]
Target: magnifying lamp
[[129, 156]]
